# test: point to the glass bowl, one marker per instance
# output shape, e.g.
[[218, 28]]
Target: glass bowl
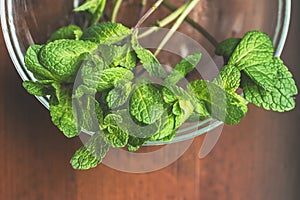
[[27, 22]]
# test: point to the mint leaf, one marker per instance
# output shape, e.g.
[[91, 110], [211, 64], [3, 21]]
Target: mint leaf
[[62, 113], [165, 127], [182, 110], [139, 131], [281, 98], [88, 113], [117, 136], [185, 66], [148, 60], [227, 107], [168, 96], [182, 107], [263, 74], [64, 57], [134, 143], [227, 47], [82, 90], [92, 153], [106, 33], [91, 70], [255, 47], [94, 8], [39, 88], [115, 56], [68, 32], [200, 110], [119, 95], [32, 63], [146, 104], [229, 78], [110, 77]]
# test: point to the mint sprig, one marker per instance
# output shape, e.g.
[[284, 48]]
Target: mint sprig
[[125, 111]]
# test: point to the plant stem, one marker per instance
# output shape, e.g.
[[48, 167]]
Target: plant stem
[[116, 10], [195, 25], [166, 21], [192, 4], [143, 4], [148, 13]]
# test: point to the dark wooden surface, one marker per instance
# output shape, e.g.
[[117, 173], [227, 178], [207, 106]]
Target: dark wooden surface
[[256, 160]]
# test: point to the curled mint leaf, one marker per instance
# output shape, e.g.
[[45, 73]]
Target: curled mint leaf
[[281, 98], [33, 64], [92, 153], [68, 32], [63, 57], [146, 104], [106, 33], [229, 78]]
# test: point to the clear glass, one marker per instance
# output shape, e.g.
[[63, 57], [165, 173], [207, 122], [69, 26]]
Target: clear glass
[[27, 22]]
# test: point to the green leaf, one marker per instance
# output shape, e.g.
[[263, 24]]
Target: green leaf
[[165, 128], [281, 98], [88, 113], [168, 96], [224, 106], [117, 136], [255, 47], [91, 70], [92, 153], [229, 78], [263, 74], [134, 143], [39, 88], [94, 7], [64, 57], [68, 32], [32, 63], [183, 106], [119, 95], [146, 104], [182, 69], [115, 56], [136, 130], [201, 110], [110, 77], [182, 110], [227, 47], [62, 112], [82, 90], [106, 33], [148, 60]]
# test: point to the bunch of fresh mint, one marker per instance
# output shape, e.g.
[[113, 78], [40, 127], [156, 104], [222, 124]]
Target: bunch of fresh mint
[[90, 79]]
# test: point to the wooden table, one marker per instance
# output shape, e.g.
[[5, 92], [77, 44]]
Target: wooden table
[[256, 160]]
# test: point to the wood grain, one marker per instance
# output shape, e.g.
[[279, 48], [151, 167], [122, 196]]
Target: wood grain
[[256, 160]]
